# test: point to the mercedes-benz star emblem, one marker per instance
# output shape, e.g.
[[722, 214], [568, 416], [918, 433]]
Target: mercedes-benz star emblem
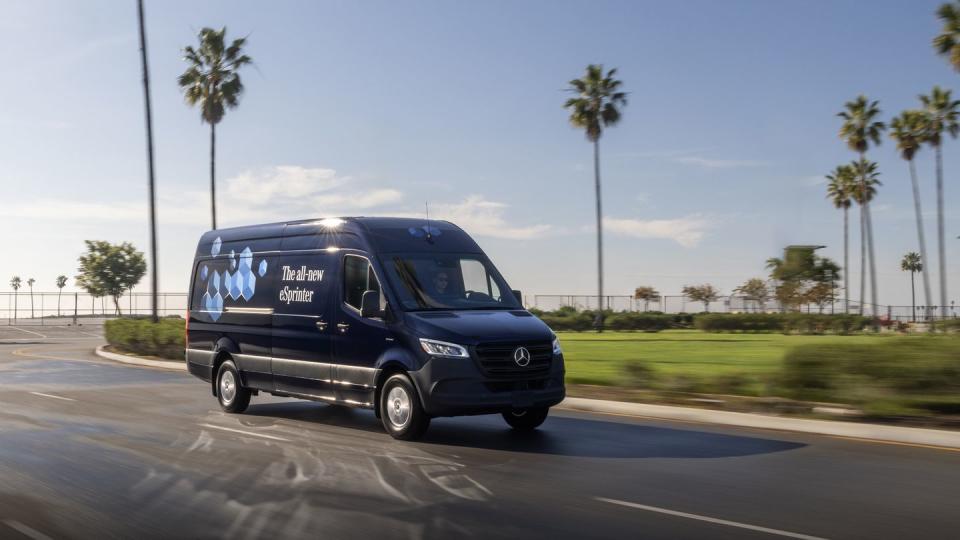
[[521, 356]]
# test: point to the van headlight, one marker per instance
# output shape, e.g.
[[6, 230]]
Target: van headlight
[[557, 351], [443, 349]]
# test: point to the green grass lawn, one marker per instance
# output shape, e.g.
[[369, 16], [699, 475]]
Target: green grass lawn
[[602, 358]]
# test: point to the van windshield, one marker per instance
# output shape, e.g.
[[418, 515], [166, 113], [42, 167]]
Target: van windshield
[[432, 281]]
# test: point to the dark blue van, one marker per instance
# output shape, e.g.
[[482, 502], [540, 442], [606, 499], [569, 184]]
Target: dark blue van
[[407, 317]]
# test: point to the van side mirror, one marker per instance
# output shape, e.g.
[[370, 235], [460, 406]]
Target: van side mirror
[[518, 295], [370, 304]]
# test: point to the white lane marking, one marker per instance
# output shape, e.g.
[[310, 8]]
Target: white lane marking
[[265, 436], [52, 396], [29, 532], [91, 334], [38, 334], [710, 519]]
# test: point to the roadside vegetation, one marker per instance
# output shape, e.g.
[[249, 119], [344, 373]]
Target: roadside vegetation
[[141, 336]]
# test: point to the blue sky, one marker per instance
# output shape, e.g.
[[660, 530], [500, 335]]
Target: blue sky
[[376, 107]]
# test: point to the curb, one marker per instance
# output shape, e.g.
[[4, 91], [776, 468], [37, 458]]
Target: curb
[[873, 432], [137, 361]]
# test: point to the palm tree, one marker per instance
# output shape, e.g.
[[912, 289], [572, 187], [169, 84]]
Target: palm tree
[[947, 43], [61, 283], [647, 294], [596, 106], [910, 131], [213, 82], [866, 178], [15, 284], [911, 262], [840, 189], [859, 129], [30, 283], [943, 116]]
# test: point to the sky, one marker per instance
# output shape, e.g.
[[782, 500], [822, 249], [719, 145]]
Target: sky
[[378, 108]]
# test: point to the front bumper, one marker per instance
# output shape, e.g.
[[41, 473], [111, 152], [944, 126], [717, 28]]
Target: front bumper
[[455, 386]]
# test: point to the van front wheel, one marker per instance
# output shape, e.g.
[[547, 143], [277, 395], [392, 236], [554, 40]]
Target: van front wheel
[[526, 419], [400, 410], [233, 397]]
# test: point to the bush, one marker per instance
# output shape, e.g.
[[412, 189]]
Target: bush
[[569, 319], [797, 323], [141, 336], [917, 375], [949, 325]]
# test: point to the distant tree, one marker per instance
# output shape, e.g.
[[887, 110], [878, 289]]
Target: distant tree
[[647, 294], [110, 270], [943, 118], [595, 106], [61, 283], [213, 82], [912, 263], [15, 284], [841, 187], [803, 277], [910, 131], [947, 43], [705, 293], [860, 128], [30, 283], [755, 290]]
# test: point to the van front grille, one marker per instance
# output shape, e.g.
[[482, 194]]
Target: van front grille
[[497, 359]]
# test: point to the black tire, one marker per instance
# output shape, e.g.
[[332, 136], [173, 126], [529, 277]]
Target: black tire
[[526, 419], [400, 409], [233, 397]]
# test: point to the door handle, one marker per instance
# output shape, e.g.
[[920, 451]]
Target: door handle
[[342, 327], [321, 325]]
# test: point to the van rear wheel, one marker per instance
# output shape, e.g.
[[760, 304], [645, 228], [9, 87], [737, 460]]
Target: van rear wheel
[[400, 410], [526, 419], [233, 397]]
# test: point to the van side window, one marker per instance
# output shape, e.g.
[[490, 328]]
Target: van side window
[[476, 279], [358, 278]]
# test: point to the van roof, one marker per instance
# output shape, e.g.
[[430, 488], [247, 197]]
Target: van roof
[[379, 233]]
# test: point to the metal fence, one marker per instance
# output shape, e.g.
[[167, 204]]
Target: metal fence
[[726, 304], [51, 308]]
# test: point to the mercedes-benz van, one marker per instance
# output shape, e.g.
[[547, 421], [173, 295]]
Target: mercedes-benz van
[[407, 317]]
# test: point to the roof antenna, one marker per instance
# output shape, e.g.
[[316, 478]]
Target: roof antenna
[[426, 205]]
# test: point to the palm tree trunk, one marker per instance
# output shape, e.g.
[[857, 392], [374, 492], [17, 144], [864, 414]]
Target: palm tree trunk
[[923, 243], [940, 240], [15, 298], [596, 179], [863, 256], [59, 293], [846, 260], [913, 297], [150, 176], [873, 263], [213, 182], [31, 302]]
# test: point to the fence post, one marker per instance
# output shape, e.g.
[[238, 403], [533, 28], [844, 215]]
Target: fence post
[[76, 303]]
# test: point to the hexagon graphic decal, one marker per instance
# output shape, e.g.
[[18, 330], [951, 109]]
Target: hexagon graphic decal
[[215, 248], [263, 267]]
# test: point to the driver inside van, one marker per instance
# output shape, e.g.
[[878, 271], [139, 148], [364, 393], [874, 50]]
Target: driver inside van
[[441, 283]]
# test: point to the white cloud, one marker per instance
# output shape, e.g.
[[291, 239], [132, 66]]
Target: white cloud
[[483, 217], [686, 231], [289, 182]]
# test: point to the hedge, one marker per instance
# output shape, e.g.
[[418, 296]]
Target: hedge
[[568, 319], [799, 323], [141, 336], [908, 375]]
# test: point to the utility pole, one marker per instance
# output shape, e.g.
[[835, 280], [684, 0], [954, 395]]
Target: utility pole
[[152, 188]]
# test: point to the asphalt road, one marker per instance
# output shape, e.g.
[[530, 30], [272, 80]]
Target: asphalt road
[[93, 449]]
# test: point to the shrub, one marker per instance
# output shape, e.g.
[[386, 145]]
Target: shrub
[[568, 318], [798, 323], [141, 336], [917, 374], [950, 325]]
